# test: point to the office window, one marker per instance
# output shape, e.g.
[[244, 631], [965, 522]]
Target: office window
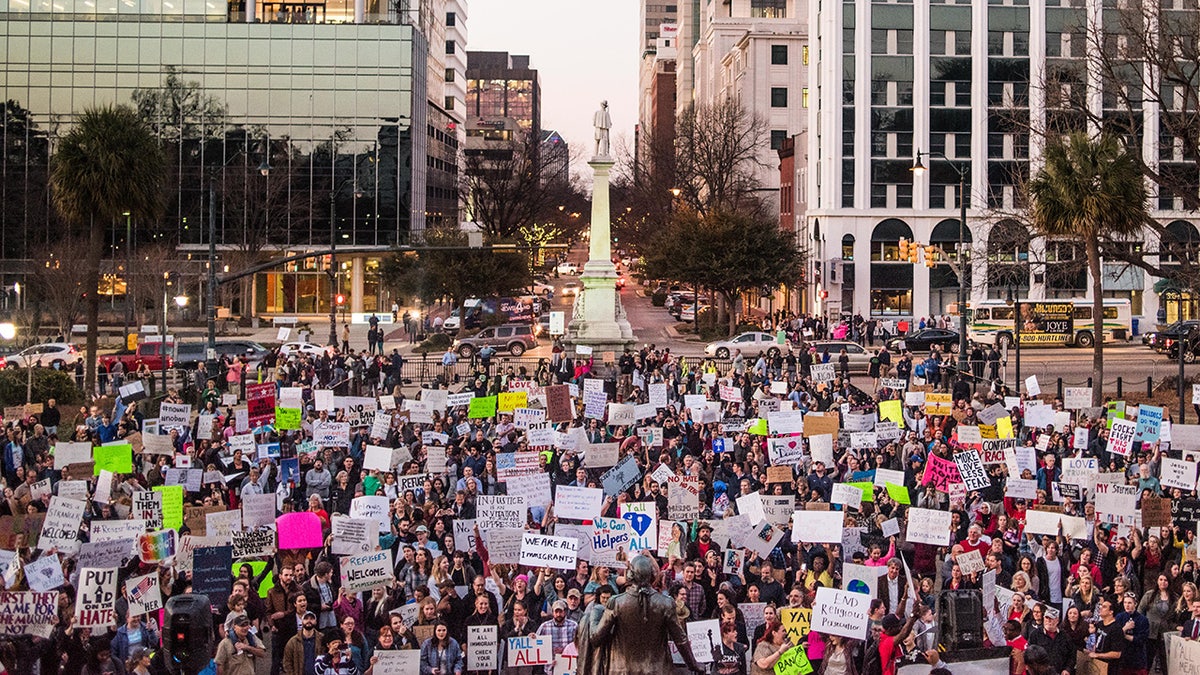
[[449, 103], [779, 97], [777, 138], [804, 97], [779, 55], [450, 19], [449, 46], [804, 53], [449, 74]]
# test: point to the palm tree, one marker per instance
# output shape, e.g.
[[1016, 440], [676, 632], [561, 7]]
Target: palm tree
[[1090, 189], [109, 163]]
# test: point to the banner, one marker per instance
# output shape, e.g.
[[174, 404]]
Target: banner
[[144, 593]]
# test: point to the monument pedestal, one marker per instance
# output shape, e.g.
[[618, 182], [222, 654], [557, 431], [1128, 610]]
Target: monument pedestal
[[598, 320]]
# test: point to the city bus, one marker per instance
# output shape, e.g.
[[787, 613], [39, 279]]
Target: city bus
[[1046, 322]]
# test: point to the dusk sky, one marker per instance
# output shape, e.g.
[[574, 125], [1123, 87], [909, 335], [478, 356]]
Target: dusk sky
[[584, 51]]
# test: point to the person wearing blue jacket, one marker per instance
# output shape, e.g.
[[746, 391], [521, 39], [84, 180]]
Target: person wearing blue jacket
[[441, 654]]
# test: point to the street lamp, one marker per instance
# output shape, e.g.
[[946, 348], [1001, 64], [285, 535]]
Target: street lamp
[[1181, 343], [918, 169], [333, 236], [210, 356], [1013, 300]]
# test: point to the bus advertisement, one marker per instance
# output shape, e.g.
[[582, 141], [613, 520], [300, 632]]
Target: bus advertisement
[[1046, 323]]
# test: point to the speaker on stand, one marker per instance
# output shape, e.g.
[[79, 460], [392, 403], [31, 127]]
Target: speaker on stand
[[960, 619]]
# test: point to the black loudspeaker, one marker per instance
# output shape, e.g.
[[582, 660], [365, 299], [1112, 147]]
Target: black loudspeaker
[[187, 634], [960, 619]]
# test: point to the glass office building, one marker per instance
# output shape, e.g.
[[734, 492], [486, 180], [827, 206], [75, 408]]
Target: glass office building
[[332, 96]]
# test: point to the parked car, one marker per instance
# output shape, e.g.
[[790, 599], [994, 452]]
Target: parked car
[[566, 268], [516, 338], [860, 358], [189, 354], [305, 348], [751, 343], [687, 311], [924, 340], [1190, 344], [149, 353], [44, 355], [1161, 340]]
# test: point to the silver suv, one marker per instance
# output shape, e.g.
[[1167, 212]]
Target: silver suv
[[514, 337]]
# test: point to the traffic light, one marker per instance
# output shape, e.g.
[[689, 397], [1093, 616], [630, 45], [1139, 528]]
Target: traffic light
[[914, 252], [930, 255], [187, 634], [903, 249], [341, 299]]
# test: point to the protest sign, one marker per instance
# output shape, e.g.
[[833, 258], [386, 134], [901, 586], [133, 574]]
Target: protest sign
[[940, 473], [61, 527], [210, 571], [257, 510], [260, 404], [529, 651], [144, 593], [1042, 522], [353, 536], [299, 530], [818, 527], [539, 550], [1021, 488], [1177, 473], [481, 647], [860, 578], [601, 455], [847, 495], [223, 524], [254, 543], [331, 434], [1075, 398], [837, 612], [928, 526], [105, 554], [482, 407], [610, 540], [796, 621], [1156, 511], [786, 451], [504, 545], [497, 511], [970, 468], [95, 601], [621, 476], [938, 404], [367, 571], [1121, 436], [578, 503], [372, 507], [174, 416], [28, 613], [44, 574], [683, 497], [818, 424], [115, 458]]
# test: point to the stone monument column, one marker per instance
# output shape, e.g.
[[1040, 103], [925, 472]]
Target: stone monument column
[[598, 319]]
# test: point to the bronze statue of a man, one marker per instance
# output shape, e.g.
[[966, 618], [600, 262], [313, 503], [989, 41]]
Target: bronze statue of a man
[[630, 635]]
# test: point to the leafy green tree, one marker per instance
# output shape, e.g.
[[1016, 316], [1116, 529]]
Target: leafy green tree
[[445, 267], [1090, 189], [727, 252], [107, 164]]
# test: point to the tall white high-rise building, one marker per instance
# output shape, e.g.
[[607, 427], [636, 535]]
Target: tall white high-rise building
[[967, 80]]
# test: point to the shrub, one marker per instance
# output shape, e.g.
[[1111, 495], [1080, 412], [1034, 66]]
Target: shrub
[[436, 342], [47, 383], [659, 299]]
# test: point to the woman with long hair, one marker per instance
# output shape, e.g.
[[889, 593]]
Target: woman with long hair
[[1183, 605], [1157, 605], [839, 656], [1087, 597], [417, 575], [769, 648], [441, 654]]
